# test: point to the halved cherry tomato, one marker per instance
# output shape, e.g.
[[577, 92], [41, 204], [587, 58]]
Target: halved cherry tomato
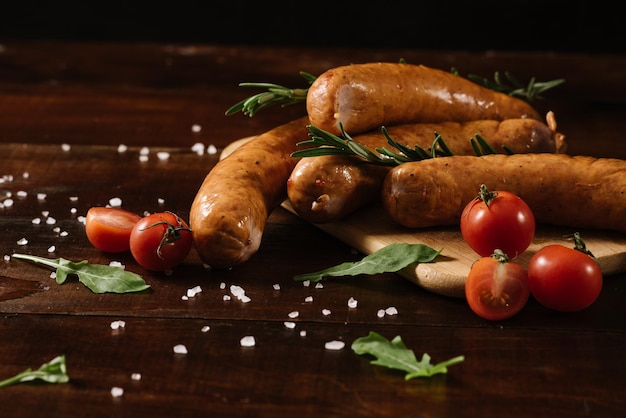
[[497, 220], [108, 229], [160, 241], [496, 288], [563, 278]]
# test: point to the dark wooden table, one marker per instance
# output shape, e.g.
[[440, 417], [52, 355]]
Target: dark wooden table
[[94, 97]]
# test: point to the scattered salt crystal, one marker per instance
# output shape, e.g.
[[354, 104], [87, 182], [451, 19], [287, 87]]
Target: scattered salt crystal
[[306, 283], [248, 341], [116, 392], [45, 213], [22, 241], [144, 151], [51, 221], [115, 202], [380, 313], [160, 201], [293, 314], [63, 234], [118, 324], [21, 193], [391, 310], [205, 328], [143, 158], [303, 333], [211, 150], [276, 286], [352, 303], [289, 324], [180, 349], [222, 285], [121, 148], [308, 299], [163, 155], [226, 297], [66, 147], [116, 264], [41, 196], [73, 210], [239, 293], [196, 128], [53, 275], [25, 175], [193, 291], [51, 249], [7, 203], [73, 198], [56, 229], [7, 257], [319, 285], [184, 297], [198, 148], [82, 219], [334, 345], [135, 376], [325, 312]]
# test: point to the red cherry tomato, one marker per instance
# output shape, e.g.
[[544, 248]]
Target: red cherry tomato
[[160, 241], [108, 229], [496, 288], [564, 279], [497, 220]]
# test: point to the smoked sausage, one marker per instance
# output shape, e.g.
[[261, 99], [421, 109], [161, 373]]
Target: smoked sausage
[[231, 207], [327, 188], [563, 190], [367, 96]]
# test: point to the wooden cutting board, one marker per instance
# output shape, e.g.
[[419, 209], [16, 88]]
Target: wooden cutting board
[[370, 229]]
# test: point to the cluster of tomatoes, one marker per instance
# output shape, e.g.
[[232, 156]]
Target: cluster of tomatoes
[[158, 241], [499, 226]]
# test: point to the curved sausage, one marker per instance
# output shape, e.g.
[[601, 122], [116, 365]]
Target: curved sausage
[[367, 96], [328, 188], [229, 211], [574, 191]]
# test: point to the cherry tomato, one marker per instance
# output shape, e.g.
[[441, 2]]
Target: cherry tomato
[[563, 278], [108, 229], [497, 220], [496, 288], [160, 241]]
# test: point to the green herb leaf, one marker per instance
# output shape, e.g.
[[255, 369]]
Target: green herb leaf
[[99, 278], [54, 371], [388, 259], [395, 355]]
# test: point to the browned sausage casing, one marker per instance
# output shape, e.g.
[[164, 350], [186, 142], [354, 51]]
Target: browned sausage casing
[[231, 207], [328, 188], [574, 191], [367, 96]]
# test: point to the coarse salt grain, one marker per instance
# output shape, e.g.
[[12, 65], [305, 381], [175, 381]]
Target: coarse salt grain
[[63, 234], [308, 299], [391, 310], [180, 349], [352, 303], [306, 283], [7, 257], [319, 285], [143, 158], [196, 128], [293, 314], [22, 241], [51, 249], [380, 313], [163, 155], [115, 202], [135, 376], [325, 312], [116, 392], [116, 264], [211, 150], [248, 341], [50, 220], [122, 148], [118, 324], [193, 291], [73, 211], [25, 175], [66, 147], [303, 333], [73, 198], [276, 286], [334, 345], [226, 298], [205, 328], [160, 201], [7, 203], [21, 193], [41, 196], [144, 151], [222, 285], [198, 148], [289, 324]]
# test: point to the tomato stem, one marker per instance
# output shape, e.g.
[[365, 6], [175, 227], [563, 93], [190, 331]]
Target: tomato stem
[[500, 256], [486, 195], [171, 234], [579, 245]]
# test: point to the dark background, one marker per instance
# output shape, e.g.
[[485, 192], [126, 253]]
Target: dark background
[[530, 25]]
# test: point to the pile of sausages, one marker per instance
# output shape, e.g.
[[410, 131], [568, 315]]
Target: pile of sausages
[[413, 102]]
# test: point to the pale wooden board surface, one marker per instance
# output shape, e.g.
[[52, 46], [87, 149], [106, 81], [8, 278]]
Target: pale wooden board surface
[[370, 229]]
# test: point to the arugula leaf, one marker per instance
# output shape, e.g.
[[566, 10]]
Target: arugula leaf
[[55, 371], [99, 278], [388, 259], [395, 355]]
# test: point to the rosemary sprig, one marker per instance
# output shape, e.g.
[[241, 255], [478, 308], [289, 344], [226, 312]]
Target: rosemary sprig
[[326, 143], [275, 94], [529, 92]]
